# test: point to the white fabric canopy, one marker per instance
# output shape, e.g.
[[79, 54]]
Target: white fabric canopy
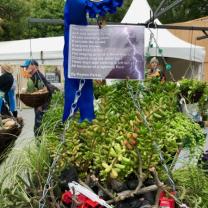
[[50, 50], [45, 50], [139, 12]]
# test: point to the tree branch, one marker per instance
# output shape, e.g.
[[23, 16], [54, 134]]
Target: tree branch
[[140, 175], [127, 194], [106, 191]]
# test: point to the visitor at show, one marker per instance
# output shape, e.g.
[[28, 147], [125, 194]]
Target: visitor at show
[[7, 95], [32, 68], [10, 98], [154, 70]]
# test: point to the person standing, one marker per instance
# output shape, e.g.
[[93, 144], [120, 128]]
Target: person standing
[[32, 68], [7, 96], [154, 70]]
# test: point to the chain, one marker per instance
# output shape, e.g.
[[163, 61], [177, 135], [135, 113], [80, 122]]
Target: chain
[[156, 146], [152, 37], [136, 103], [134, 97], [47, 185]]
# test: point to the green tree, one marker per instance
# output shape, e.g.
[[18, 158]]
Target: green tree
[[50, 9], [186, 10], [119, 15], [13, 15]]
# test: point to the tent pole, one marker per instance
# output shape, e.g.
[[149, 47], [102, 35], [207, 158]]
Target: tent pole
[[159, 13]]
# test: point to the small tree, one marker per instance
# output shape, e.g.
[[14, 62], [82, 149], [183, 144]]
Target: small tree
[[51, 9], [186, 10], [13, 15]]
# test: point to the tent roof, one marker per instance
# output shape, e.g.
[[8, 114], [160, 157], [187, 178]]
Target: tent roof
[[203, 21], [191, 36], [50, 50], [45, 50], [139, 12]]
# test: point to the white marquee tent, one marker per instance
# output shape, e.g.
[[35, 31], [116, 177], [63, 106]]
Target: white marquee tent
[[45, 50], [180, 54], [50, 50]]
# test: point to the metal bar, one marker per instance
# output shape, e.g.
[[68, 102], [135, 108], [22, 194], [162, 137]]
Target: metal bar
[[173, 27], [47, 21], [202, 37], [178, 27], [152, 25], [205, 32], [159, 7]]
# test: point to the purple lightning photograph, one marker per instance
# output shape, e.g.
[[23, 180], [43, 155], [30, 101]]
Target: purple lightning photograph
[[114, 52]]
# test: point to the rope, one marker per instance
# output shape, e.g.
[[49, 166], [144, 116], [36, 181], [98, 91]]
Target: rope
[[40, 79], [30, 39], [195, 64], [192, 74], [190, 67]]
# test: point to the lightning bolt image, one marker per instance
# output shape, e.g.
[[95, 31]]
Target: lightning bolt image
[[135, 64]]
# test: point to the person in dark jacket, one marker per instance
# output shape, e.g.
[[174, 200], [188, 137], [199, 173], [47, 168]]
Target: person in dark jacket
[[38, 78], [6, 79], [6, 83]]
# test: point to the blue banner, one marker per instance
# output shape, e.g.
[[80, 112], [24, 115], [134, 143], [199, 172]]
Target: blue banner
[[75, 13]]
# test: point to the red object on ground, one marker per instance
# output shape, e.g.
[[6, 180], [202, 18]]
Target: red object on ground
[[85, 202], [166, 202]]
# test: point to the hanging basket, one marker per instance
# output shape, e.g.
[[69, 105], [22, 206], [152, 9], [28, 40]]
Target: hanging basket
[[9, 135], [34, 99]]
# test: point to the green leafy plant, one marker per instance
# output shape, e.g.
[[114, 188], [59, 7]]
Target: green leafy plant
[[22, 182], [107, 145], [193, 186], [192, 90]]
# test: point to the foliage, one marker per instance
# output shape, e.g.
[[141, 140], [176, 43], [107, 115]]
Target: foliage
[[186, 10], [108, 145], [100, 89], [14, 18], [119, 15], [13, 22], [193, 186], [195, 91], [50, 9], [21, 184], [52, 122]]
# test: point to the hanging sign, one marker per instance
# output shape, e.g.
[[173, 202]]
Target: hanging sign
[[113, 52]]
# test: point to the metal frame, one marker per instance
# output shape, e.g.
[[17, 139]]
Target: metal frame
[[203, 37], [46, 21], [147, 25]]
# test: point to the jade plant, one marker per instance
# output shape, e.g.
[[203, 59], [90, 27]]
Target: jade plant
[[108, 145]]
